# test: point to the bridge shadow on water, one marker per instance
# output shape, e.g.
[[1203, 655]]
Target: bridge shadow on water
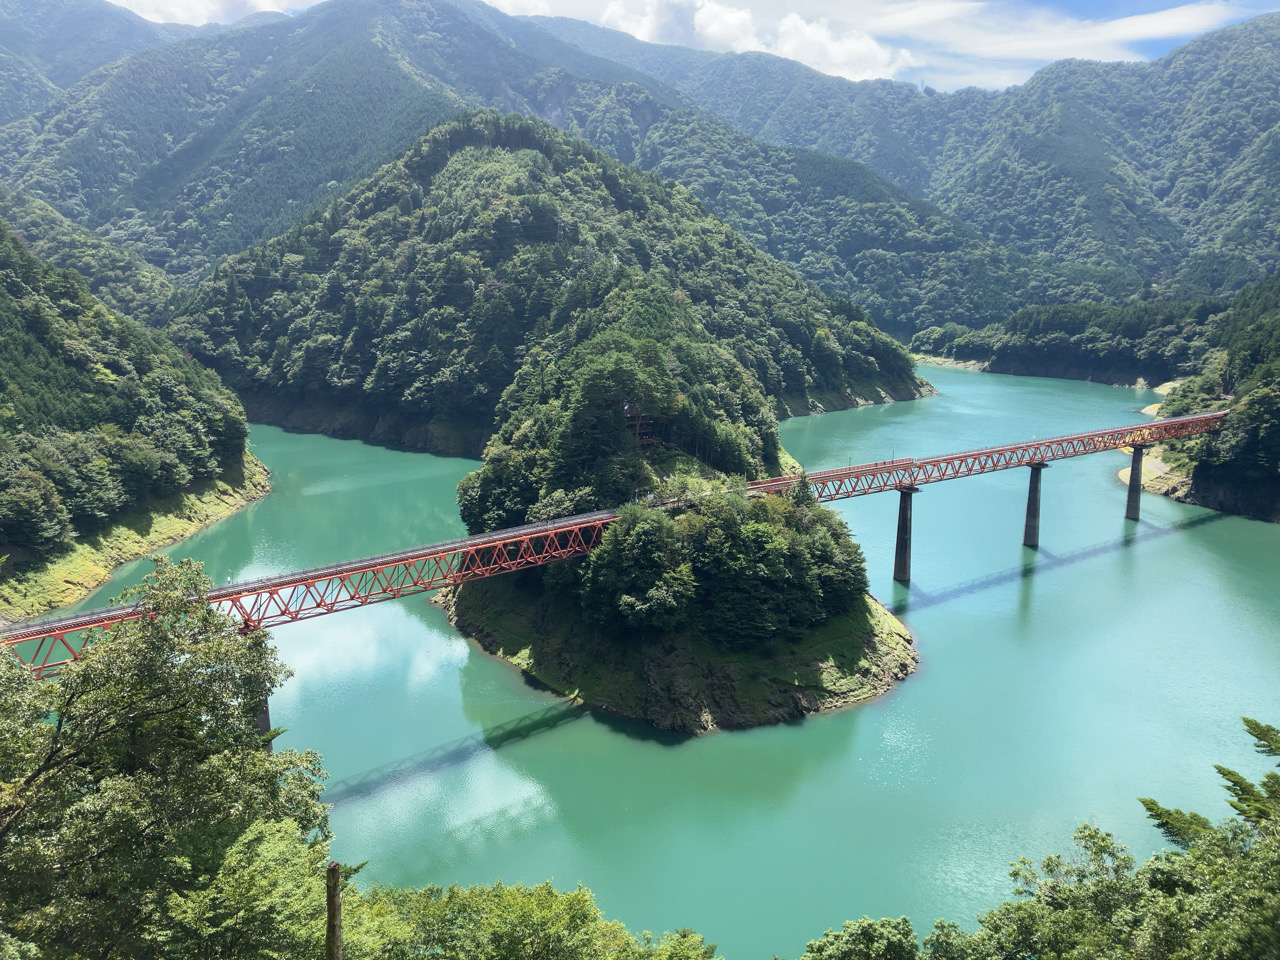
[[452, 753], [1045, 562]]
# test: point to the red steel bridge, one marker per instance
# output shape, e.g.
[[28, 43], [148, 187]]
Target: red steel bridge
[[46, 645]]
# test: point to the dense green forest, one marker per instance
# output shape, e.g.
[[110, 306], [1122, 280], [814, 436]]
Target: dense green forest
[[97, 413], [1155, 341], [216, 847], [275, 125], [193, 150], [737, 571], [840, 225], [1161, 169], [65, 39], [122, 280], [488, 254]]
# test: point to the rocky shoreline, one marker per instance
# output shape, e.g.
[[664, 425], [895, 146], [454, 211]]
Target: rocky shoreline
[[674, 683]]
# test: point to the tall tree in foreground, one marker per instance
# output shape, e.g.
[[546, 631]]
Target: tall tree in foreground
[[124, 781], [1218, 896]]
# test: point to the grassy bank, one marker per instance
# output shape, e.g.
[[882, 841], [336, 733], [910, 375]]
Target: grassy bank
[[678, 683], [73, 575]]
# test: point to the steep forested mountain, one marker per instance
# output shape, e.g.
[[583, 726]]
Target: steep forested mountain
[[488, 254], [279, 119], [1090, 182], [66, 39], [843, 227], [196, 149], [1166, 169], [121, 279], [97, 413], [23, 88]]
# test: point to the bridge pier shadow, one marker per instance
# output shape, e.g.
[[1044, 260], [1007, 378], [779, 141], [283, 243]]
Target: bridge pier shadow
[[1040, 561]]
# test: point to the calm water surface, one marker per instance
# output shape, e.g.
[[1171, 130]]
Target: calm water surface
[[1056, 687]]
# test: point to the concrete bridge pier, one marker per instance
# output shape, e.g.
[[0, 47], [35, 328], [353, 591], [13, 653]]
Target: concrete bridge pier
[[1031, 534], [1132, 508], [902, 555]]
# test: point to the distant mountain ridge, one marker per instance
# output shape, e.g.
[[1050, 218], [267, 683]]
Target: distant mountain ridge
[[1166, 169], [192, 151], [66, 39]]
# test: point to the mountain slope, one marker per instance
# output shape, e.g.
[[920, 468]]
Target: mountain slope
[[1165, 169], [194, 150], [23, 88], [67, 39], [493, 248], [97, 413], [123, 281], [270, 123]]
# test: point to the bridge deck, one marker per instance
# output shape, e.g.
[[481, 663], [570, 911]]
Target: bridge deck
[[270, 601]]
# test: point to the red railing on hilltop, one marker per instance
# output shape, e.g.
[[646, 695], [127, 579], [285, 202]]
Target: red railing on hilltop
[[271, 601]]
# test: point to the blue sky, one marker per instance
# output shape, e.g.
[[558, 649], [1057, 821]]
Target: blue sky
[[946, 44]]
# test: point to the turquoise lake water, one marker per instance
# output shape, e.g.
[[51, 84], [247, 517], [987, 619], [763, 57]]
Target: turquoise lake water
[[1055, 687]]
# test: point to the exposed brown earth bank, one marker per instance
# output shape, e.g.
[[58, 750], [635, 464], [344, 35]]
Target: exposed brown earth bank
[[1259, 500], [450, 438], [677, 683]]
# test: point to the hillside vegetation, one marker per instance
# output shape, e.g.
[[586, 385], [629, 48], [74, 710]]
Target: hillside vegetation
[[485, 257], [1164, 170], [120, 278], [97, 413], [273, 120], [192, 150]]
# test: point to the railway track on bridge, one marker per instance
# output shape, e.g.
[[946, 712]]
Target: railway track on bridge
[[44, 645]]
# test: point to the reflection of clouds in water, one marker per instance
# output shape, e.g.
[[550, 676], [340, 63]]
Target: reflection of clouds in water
[[904, 756], [361, 644], [453, 814]]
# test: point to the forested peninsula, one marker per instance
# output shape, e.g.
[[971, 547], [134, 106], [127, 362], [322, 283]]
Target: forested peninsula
[[104, 427], [504, 289], [494, 247]]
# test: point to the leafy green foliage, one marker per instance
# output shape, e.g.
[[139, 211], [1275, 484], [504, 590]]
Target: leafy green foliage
[[739, 571], [96, 412], [122, 280], [501, 922], [866, 939], [495, 245], [1153, 340], [123, 782]]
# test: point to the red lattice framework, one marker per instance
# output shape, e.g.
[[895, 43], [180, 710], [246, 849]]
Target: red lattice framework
[[859, 480], [47, 645]]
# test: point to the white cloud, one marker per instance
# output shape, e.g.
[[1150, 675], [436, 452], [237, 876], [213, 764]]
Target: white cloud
[[722, 27], [523, 8], [946, 43], [203, 11], [851, 54]]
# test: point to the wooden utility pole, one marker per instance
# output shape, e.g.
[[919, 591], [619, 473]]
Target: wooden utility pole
[[333, 908]]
